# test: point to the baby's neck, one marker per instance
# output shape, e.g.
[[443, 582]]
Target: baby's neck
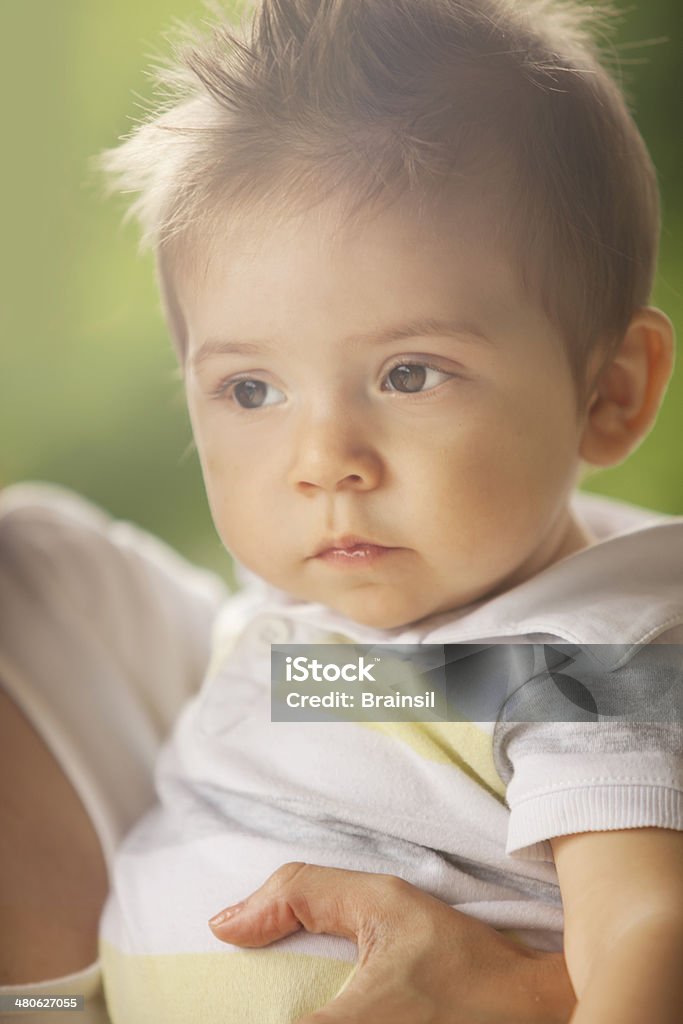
[[568, 537], [576, 537]]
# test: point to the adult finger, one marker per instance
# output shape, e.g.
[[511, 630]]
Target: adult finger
[[335, 901]]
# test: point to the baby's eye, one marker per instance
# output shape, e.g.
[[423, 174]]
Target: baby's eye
[[411, 377], [254, 394]]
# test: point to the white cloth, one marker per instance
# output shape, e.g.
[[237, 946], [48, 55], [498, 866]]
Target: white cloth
[[104, 634], [462, 813]]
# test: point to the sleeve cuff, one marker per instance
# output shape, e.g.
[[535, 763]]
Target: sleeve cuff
[[599, 808]]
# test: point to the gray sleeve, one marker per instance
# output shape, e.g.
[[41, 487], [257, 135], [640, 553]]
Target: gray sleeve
[[591, 739]]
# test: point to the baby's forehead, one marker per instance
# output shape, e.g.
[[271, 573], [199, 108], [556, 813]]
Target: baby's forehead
[[374, 276], [466, 233], [469, 218]]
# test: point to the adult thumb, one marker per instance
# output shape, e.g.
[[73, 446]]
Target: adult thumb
[[319, 899]]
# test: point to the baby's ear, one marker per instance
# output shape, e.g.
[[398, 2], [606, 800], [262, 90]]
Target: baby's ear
[[629, 390]]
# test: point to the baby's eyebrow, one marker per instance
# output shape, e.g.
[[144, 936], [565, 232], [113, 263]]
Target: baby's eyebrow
[[418, 327]]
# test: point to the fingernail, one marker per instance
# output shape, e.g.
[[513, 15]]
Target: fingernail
[[225, 915]]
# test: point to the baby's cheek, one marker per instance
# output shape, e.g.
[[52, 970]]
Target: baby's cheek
[[487, 508], [468, 480]]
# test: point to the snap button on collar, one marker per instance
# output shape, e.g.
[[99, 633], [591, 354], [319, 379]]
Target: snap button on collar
[[272, 630]]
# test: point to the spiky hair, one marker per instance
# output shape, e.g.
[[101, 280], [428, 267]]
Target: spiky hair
[[378, 99]]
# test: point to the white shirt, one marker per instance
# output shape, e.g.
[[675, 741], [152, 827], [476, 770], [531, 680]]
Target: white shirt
[[463, 810]]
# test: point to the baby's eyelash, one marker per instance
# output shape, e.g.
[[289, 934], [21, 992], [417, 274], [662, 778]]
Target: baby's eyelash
[[221, 388], [418, 362], [227, 385]]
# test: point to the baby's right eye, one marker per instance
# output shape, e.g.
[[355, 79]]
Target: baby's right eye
[[249, 393]]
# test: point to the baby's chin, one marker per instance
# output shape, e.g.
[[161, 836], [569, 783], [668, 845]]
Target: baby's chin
[[381, 606], [384, 608]]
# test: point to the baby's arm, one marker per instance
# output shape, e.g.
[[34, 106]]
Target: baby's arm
[[623, 899]]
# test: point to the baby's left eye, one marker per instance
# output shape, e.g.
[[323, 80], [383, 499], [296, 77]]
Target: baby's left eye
[[412, 377]]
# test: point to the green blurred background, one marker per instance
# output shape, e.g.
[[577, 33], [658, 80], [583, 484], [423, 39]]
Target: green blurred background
[[89, 396]]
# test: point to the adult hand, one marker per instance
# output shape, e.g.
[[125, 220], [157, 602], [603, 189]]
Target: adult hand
[[419, 961]]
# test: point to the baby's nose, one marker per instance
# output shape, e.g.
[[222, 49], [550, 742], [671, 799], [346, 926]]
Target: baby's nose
[[334, 455]]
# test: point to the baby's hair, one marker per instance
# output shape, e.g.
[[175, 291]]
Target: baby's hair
[[374, 100]]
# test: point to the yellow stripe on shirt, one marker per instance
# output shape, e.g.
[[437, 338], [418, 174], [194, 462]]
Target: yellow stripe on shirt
[[254, 986], [462, 744]]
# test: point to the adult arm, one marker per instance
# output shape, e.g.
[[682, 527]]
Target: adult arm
[[623, 899], [53, 879], [104, 633], [419, 961]]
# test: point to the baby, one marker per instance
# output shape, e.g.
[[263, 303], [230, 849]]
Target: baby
[[405, 249]]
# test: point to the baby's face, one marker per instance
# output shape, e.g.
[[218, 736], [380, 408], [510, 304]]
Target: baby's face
[[385, 424]]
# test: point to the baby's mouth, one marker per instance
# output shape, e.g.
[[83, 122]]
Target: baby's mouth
[[351, 551], [346, 543]]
